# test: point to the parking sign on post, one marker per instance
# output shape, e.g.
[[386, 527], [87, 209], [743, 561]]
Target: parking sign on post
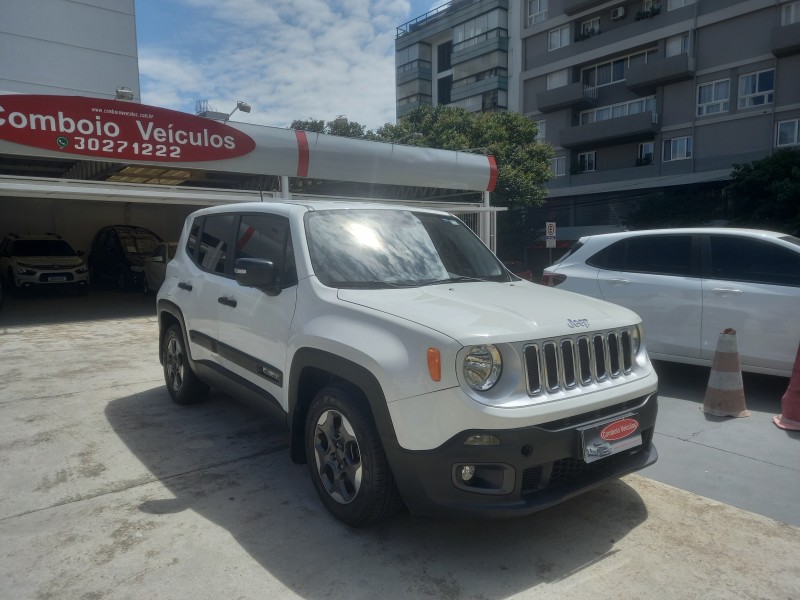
[[550, 234]]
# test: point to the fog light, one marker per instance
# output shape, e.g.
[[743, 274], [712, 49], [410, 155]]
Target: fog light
[[467, 472]]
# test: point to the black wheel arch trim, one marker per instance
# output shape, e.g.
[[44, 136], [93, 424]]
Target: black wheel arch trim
[[166, 306], [340, 368]]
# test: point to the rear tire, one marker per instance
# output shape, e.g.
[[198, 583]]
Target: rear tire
[[182, 384], [346, 459]]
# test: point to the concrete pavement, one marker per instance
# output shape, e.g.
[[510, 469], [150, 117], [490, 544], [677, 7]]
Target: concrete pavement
[[108, 490]]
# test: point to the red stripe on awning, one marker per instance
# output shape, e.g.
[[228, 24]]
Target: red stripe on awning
[[492, 173], [302, 148]]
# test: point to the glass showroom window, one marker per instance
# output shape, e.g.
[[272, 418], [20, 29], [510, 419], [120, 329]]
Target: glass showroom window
[[537, 11], [673, 4], [678, 149], [587, 162], [756, 89], [713, 97], [558, 166], [788, 133], [790, 13]]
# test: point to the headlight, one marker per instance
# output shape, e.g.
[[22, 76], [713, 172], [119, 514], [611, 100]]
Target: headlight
[[25, 270], [482, 367], [636, 339], [82, 269]]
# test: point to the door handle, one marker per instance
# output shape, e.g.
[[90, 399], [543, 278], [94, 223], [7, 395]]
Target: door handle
[[185, 286], [619, 281], [724, 291], [227, 301]]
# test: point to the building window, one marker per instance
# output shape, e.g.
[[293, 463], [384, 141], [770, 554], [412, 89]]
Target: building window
[[558, 38], [537, 11], [557, 79], [790, 13], [756, 89], [677, 44], [478, 29], [590, 27], [678, 148], [673, 4], [645, 154], [443, 52], [788, 133], [614, 71], [558, 166], [622, 109], [587, 162], [540, 130], [713, 97]]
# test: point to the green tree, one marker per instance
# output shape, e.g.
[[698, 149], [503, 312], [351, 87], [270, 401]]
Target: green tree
[[340, 126], [766, 193], [523, 164]]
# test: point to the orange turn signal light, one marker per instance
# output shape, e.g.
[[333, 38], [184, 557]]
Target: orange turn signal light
[[434, 364]]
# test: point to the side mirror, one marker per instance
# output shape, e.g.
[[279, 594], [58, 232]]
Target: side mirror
[[80, 253], [255, 272]]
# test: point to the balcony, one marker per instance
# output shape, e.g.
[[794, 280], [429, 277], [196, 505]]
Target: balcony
[[572, 7], [646, 77], [631, 128], [575, 95], [786, 40]]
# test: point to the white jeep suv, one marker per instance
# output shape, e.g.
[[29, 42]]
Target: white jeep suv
[[409, 366]]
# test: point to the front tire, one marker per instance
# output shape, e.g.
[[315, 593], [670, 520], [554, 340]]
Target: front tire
[[182, 384], [346, 459]]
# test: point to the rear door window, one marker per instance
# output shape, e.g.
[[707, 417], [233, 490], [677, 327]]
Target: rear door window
[[755, 261]]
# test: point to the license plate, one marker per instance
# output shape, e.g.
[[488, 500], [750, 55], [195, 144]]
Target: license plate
[[610, 437], [57, 278]]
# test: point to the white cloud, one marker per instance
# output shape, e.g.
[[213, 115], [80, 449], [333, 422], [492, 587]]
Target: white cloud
[[289, 59]]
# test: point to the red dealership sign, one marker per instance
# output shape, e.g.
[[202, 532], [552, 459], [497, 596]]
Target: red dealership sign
[[117, 130]]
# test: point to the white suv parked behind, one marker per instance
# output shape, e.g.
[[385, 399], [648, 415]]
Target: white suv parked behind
[[409, 366]]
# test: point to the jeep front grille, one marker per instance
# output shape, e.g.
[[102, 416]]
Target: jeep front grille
[[566, 363]]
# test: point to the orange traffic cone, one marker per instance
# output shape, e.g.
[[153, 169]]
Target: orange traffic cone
[[790, 403], [725, 391]]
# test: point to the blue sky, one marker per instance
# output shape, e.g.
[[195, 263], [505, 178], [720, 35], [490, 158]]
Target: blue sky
[[289, 59]]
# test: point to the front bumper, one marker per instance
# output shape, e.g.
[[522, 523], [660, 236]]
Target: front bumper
[[52, 278], [533, 468]]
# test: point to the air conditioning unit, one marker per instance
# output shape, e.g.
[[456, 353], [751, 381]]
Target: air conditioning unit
[[618, 13]]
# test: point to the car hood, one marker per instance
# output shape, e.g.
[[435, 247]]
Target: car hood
[[482, 312], [43, 261]]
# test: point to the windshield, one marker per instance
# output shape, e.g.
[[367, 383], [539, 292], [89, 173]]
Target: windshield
[[396, 248], [42, 248], [138, 243]]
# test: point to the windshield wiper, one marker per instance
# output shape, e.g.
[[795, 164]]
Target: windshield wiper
[[369, 285], [456, 279]]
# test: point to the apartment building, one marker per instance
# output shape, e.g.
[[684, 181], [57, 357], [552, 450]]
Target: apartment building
[[457, 54], [635, 96]]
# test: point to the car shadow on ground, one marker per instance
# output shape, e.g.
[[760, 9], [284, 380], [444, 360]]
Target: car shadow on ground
[[229, 465], [675, 380], [50, 307]]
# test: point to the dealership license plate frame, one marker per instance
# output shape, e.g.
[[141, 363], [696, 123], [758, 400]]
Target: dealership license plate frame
[[56, 278], [590, 438]]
